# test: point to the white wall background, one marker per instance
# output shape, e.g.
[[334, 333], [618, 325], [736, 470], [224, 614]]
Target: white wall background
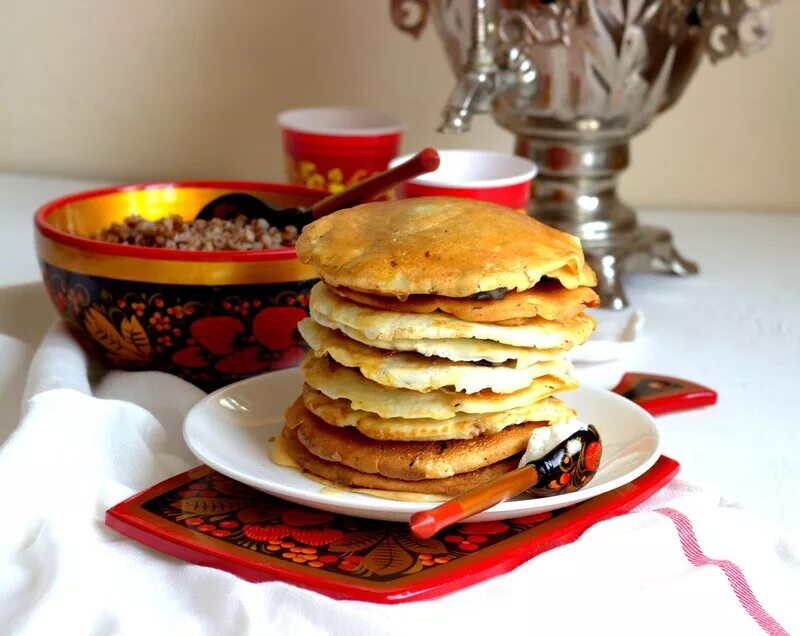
[[154, 89]]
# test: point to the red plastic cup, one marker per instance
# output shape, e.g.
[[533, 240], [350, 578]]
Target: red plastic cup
[[474, 174], [332, 148]]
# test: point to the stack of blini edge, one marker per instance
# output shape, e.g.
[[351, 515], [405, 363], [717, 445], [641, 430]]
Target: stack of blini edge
[[438, 337]]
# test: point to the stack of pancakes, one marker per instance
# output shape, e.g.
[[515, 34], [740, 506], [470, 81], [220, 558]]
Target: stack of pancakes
[[438, 336]]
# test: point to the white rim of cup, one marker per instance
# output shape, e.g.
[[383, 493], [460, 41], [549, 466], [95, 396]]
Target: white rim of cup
[[518, 169], [339, 120]]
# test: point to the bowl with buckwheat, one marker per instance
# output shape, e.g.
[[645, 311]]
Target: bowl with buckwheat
[[144, 286]]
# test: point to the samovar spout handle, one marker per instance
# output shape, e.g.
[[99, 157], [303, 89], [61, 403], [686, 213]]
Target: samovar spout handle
[[467, 97], [482, 78]]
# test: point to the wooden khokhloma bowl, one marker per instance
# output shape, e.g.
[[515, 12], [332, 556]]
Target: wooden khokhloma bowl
[[209, 317]]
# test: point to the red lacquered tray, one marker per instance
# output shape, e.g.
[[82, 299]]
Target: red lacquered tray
[[207, 518]]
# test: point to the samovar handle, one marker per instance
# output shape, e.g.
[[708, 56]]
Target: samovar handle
[[410, 16], [735, 26]]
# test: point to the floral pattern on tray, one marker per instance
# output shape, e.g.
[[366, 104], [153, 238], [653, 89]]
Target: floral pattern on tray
[[249, 520]]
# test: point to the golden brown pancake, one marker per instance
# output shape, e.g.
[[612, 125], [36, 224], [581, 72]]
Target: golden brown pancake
[[337, 381], [548, 299], [346, 476], [408, 461], [442, 246], [461, 426], [420, 373], [455, 349], [325, 306]]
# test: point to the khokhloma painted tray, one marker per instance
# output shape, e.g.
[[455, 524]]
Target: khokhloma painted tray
[[206, 518]]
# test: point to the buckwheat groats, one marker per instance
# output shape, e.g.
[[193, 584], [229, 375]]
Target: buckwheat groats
[[174, 232]]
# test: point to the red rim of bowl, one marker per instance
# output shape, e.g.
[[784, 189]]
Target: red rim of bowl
[[162, 253]]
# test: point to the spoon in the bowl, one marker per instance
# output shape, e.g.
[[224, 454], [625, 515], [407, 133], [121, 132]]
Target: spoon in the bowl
[[566, 468], [229, 206]]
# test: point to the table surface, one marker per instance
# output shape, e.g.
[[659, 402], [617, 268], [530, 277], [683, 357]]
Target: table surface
[[734, 327]]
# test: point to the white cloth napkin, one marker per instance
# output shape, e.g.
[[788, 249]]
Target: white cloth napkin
[[603, 359], [681, 563]]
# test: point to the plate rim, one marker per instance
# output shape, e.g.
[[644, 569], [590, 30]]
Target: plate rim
[[395, 507]]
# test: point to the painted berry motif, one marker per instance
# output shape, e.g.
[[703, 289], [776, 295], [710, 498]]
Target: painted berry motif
[[592, 456], [324, 536], [571, 465], [188, 330], [224, 343], [266, 533]]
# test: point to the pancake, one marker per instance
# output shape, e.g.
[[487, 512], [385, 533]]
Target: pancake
[[461, 426], [439, 245], [345, 476], [455, 349], [548, 299], [340, 382], [390, 325], [419, 373], [409, 461]]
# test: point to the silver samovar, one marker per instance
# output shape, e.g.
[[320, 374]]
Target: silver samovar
[[574, 80]]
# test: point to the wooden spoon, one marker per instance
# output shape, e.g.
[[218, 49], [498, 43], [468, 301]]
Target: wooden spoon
[[229, 206], [566, 468]]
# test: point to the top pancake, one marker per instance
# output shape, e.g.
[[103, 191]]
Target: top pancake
[[439, 245], [328, 308]]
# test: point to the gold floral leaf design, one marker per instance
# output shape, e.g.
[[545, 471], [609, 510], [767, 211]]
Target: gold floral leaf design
[[199, 472], [208, 505], [356, 541], [417, 567], [307, 173], [357, 176], [134, 333], [104, 332], [256, 514], [307, 170], [387, 558], [421, 546], [315, 182]]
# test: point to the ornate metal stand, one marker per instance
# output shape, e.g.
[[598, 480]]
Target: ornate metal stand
[[574, 80], [575, 191]]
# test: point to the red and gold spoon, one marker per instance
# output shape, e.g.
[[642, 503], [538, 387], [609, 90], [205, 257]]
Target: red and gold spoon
[[235, 204], [566, 468]]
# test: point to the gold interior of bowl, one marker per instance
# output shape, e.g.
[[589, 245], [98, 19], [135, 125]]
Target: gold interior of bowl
[[88, 216], [85, 217]]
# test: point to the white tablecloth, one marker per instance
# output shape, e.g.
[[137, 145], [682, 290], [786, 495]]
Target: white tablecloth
[[728, 561]]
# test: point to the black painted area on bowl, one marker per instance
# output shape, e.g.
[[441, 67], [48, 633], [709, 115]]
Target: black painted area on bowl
[[208, 335]]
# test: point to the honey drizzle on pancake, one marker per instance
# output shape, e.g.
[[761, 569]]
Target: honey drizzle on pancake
[[278, 454]]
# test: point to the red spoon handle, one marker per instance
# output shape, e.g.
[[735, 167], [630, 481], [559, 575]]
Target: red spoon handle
[[659, 394], [426, 523], [425, 161]]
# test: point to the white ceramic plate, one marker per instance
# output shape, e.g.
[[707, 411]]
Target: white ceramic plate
[[230, 431]]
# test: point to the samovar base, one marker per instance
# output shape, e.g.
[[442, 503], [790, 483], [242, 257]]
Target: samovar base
[[644, 249]]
